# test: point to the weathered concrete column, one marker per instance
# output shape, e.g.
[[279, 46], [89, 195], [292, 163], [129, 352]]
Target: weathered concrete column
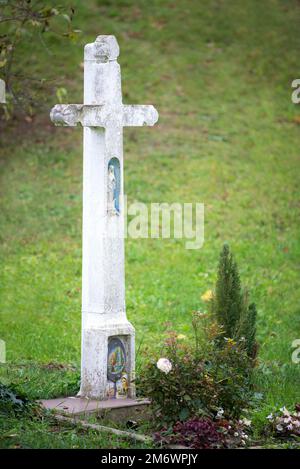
[[108, 355]]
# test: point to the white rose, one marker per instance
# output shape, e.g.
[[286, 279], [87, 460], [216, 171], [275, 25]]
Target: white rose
[[164, 365]]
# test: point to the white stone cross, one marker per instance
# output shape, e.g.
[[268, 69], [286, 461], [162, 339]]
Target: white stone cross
[[108, 356]]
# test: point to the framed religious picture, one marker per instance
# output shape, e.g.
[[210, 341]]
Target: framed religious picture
[[116, 368]]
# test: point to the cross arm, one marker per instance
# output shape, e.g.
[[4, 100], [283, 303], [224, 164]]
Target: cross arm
[[138, 115], [66, 114], [87, 115], [103, 115]]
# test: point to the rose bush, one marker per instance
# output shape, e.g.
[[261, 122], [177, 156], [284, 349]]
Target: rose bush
[[198, 378]]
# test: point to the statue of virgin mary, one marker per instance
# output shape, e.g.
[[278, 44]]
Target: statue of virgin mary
[[111, 190]]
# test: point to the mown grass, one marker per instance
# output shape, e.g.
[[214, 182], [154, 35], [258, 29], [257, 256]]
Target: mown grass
[[220, 75], [24, 432]]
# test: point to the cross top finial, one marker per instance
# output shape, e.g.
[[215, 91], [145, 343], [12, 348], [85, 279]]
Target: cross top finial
[[102, 93], [104, 49]]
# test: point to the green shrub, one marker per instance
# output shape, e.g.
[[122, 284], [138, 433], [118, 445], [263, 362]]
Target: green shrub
[[203, 378], [12, 402], [229, 305], [249, 330]]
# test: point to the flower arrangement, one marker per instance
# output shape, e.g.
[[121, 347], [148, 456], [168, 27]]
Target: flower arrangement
[[284, 423]]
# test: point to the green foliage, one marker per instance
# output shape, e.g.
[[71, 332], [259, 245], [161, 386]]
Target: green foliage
[[203, 378], [61, 94], [41, 381], [249, 330], [229, 305], [25, 22], [204, 433], [12, 402], [45, 433]]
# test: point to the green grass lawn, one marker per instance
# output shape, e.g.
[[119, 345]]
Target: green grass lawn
[[220, 75]]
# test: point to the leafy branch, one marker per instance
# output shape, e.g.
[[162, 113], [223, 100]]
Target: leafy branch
[[22, 21]]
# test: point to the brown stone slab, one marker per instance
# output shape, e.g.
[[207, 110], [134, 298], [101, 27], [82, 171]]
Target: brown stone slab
[[79, 405]]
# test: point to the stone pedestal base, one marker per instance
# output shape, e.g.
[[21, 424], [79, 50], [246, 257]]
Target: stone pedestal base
[[95, 380], [113, 409]]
